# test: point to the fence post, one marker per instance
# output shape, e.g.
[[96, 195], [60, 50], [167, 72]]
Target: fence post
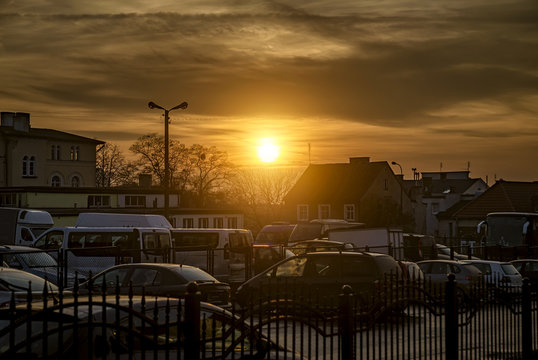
[[526, 320], [346, 323], [451, 319], [192, 322]]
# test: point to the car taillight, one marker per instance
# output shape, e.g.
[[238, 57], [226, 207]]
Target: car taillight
[[468, 278]]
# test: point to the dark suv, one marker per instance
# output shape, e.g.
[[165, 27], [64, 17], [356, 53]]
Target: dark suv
[[319, 277]]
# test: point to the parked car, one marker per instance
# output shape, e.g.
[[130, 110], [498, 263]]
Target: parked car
[[443, 252], [319, 276], [436, 271], [34, 261], [266, 255], [411, 270], [169, 280], [307, 246], [528, 268], [17, 283], [498, 274], [124, 327]]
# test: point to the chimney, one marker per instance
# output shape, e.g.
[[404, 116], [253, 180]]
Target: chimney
[[144, 181], [365, 160], [18, 121]]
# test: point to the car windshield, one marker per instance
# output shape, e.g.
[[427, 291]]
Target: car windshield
[[22, 281], [509, 269], [194, 274], [37, 259]]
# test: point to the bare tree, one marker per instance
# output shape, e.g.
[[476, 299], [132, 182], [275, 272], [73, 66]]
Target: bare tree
[[111, 167], [150, 151], [260, 192], [196, 170], [207, 171]]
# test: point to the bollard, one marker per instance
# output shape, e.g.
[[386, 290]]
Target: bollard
[[346, 323], [451, 319], [192, 322]]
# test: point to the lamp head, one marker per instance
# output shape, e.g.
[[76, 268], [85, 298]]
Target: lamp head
[[152, 105], [183, 105], [394, 163]]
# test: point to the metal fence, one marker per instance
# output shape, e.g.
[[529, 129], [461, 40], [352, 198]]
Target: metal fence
[[400, 319]]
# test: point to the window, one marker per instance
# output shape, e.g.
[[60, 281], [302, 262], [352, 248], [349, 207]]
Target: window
[[75, 181], [218, 223], [324, 211], [293, 268], [203, 222], [55, 181], [28, 166], [55, 152], [8, 199], [349, 212], [98, 201], [188, 223], [74, 154], [135, 201], [302, 212], [232, 223]]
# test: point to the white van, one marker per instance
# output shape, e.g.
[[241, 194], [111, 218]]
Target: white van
[[221, 252], [95, 249], [22, 226]]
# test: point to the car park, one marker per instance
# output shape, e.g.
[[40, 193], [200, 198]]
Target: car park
[[497, 273], [35, 261], [467, 276], [319, 275], [170, 280]]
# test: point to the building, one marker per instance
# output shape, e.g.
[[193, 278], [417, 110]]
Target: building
[[503, 196], [43, 157], [359, 191], [439, 191], [55, 171]]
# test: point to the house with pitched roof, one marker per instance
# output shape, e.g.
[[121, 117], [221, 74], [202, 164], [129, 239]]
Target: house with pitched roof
[[503, 196], [358, 191], [438, 192]]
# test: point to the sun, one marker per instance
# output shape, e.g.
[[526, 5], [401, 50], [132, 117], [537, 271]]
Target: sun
[[268, 151]]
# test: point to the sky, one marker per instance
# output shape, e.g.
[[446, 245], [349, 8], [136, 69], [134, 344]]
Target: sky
[[432, 85]]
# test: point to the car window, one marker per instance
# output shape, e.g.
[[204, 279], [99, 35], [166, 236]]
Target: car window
[[484, 268], [425, 267], [145, 277], [518, 266], [455, 269], [52, 240], [37, 259], [509, 269], [193, 274], [439, 268], [112, 277], [291, 268], [357, 267], [322, 267], [11, 261]]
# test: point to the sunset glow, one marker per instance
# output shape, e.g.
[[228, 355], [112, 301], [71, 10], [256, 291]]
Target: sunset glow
[[268, 151]]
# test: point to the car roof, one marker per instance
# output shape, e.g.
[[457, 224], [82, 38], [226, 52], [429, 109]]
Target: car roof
[[155, 265], [18, 248], [441, 261]]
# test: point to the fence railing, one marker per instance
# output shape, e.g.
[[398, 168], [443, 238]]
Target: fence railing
[[394, 319]]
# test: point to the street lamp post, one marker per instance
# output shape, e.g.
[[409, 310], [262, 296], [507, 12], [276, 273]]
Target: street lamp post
[[401, 190], [152, 105]]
